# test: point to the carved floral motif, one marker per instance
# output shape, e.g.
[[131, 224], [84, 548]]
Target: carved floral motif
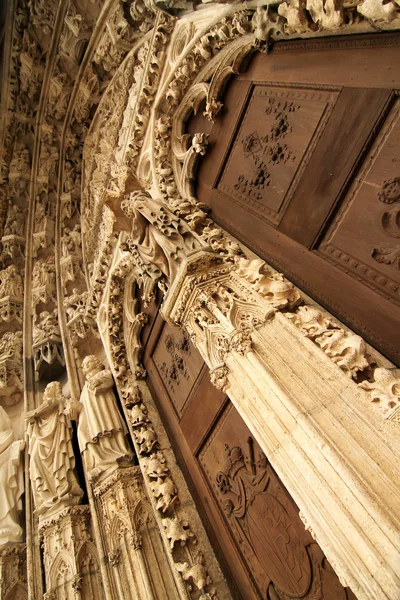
[[390, 194], [385, 391]]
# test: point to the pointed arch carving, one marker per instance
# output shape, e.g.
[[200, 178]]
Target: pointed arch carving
[[61, 575], [90, 582]]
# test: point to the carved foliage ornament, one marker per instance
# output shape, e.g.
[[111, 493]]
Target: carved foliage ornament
[[385, 391], [151, 458], [345, 348]]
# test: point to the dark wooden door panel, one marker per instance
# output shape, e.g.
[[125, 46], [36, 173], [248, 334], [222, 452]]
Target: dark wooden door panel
[[364, 61], [364, 237], [263, 520], [352, 125], [279, 129], [178, 364], [184, 442]]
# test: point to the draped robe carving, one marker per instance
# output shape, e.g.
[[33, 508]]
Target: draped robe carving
[[101, 429], [52, 459], [11, 481]]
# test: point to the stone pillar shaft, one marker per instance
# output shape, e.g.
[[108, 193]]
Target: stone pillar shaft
[[313, 422]]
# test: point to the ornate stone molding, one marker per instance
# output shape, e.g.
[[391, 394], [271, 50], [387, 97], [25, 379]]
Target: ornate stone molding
[[154, 454]]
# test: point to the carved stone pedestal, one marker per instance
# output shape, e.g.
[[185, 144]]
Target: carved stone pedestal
[[13, 572], [138, 560], [11, 378], [70, 556], [11, 309], [313, 422]]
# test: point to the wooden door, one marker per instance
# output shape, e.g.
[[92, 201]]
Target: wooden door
[[252, 521], [303, 166]]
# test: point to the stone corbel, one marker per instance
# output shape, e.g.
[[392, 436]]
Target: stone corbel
[[313, 422]]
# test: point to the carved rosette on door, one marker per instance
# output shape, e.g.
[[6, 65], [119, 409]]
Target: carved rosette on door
[[390, 194], [290, 564]]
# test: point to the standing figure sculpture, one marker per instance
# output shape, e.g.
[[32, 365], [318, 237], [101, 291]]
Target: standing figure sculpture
[[11, 481], [101, 429], [52, 459]]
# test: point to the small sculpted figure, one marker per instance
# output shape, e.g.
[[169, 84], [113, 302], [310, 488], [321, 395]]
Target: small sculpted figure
[[11, 346], [46, 327], [52, 459], [11, 283], [15, 223], [159, 235], [101, 429], [11, 481]]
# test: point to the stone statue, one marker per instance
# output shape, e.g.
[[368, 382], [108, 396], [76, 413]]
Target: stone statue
[[11, 481], [52, 459], [44, 274], [159, 235], [101, 429], [71, 242], [21, 160]]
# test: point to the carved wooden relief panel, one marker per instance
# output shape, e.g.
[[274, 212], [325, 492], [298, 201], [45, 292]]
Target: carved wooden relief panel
[[279, 129], [178, 364], [364, 235], [281, 555]]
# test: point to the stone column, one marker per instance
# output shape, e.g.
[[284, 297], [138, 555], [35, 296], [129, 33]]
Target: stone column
[[289, 369]]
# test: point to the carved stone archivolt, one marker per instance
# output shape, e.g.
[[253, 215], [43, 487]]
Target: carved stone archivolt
[[184, 544]]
